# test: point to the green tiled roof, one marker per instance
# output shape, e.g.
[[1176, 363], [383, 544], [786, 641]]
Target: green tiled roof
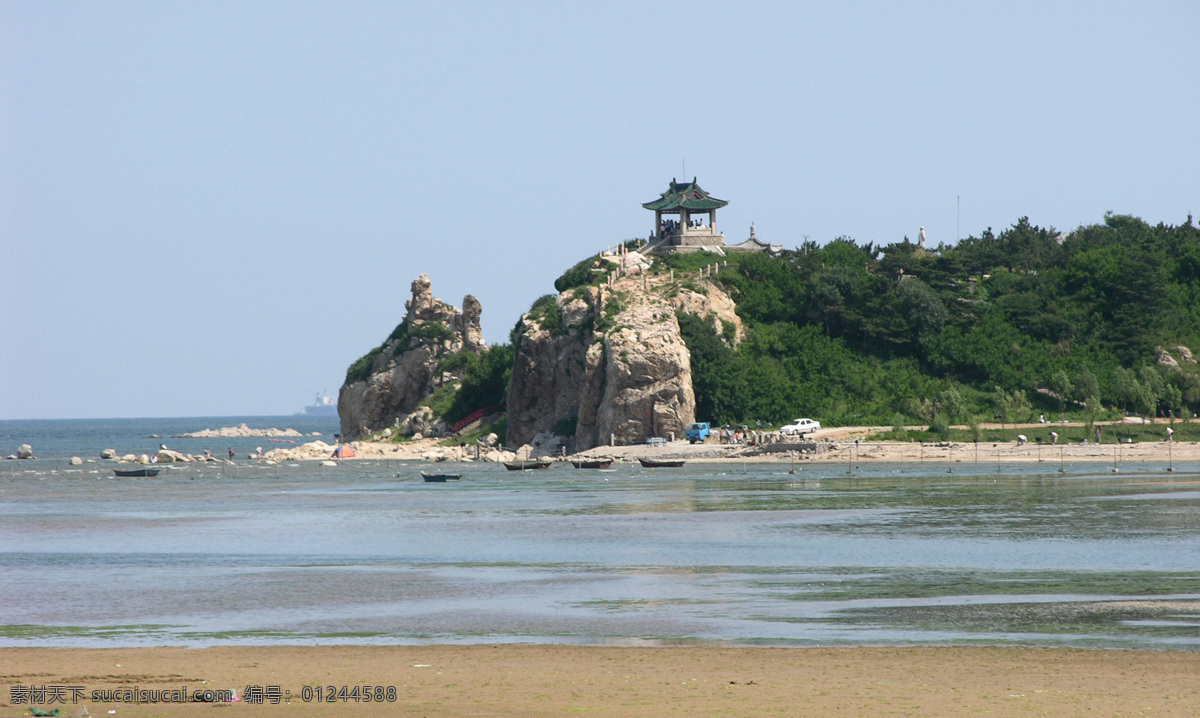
[[687, 195]]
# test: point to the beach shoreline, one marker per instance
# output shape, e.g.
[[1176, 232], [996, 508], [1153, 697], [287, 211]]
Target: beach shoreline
[[535, 680], [839, 448]]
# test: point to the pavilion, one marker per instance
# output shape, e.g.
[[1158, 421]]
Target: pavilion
[[696, 210], [696, 226]]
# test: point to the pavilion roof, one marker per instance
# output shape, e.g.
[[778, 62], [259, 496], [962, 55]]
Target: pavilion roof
[[687, 195]]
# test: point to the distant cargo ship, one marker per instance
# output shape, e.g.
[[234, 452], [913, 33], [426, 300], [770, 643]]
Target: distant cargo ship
[[325, 406]]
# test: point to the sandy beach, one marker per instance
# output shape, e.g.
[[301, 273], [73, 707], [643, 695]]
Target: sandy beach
[[525, 680]]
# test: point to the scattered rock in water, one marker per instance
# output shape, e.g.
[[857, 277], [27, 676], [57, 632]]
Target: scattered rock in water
[[242, 430], [76, 461], [167, 456], [25, 451], [108, 454]]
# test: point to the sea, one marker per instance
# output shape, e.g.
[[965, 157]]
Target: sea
[[366, 552]]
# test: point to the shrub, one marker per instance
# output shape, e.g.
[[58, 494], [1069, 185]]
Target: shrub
[[546, 312], [566, 427], [579, 275]]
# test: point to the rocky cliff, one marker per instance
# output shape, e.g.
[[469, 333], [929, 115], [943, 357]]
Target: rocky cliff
[[608, 362], [388, 385]]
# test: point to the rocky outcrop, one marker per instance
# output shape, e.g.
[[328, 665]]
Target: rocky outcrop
[[610, 361], [242, 430], [551, 364], [1165, 358], [391, 381]]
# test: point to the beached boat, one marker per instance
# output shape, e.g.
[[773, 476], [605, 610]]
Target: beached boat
[[144, 473], [439, 478], [661, 463], [593, 463], [527, 465]]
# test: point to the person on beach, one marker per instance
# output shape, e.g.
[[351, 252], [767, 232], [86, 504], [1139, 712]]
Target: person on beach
[[1053, 437], [231, 453], [1097, 435], [1170, 433]]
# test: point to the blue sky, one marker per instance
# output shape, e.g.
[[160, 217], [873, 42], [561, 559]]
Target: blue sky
[[213, 208]]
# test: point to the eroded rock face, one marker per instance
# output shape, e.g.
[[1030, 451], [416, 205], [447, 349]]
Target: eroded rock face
[[642, 382], [405, 369], [550, 368], [628, 381], [714, 305]]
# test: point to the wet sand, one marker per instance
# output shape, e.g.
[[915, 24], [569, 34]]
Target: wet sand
[[530, 680]]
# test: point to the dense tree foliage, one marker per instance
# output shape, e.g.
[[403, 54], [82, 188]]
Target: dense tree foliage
[[1029, 320], [484, 382]]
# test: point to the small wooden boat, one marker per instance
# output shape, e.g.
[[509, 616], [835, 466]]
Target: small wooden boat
[[143, 473], [439, 478], [592, 463], [527, 465], [661, 463]]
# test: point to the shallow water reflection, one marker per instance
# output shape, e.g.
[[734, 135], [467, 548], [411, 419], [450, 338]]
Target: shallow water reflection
[[366, 552]]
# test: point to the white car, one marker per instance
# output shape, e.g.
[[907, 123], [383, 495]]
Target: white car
[[801, 427]]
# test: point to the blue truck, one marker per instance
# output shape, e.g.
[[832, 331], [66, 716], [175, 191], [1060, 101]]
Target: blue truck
[[697, 432]]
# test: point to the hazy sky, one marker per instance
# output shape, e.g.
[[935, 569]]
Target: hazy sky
[[213, 208]]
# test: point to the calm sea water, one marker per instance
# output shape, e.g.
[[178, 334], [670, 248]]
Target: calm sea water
[[366, 552]]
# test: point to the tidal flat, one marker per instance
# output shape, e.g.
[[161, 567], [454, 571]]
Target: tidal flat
[[709, 554]]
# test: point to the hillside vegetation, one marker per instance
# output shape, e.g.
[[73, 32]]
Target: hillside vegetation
[[1009, 325], [1001, 326]]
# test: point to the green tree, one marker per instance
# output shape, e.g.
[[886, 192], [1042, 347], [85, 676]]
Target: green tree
[[1085, 385], [1154, 390], [1092, 408], [952, 403], [484, 383], [1126, 388], [1060, 384]]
